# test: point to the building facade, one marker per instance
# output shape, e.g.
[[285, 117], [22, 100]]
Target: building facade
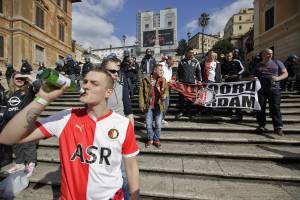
[[277, 26], [238, 25], [79, 53], [157, 31], [119, 51], [38, 30], [208, 41]]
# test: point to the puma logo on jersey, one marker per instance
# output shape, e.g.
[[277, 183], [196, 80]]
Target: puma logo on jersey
[[104, 154], [79, 127]]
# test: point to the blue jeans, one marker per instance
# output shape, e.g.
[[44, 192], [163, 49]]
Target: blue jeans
[[274, 98], [157, 116], [125, 187]]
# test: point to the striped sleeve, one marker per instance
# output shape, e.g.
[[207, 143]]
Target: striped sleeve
[[54, 124], [130, 147]]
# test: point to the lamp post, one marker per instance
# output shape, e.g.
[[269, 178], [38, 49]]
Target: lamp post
[[124, 40], [203, 22], [189, 36]]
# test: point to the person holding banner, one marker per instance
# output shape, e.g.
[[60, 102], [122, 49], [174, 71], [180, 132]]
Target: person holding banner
[[270, 72], [211, 73], [231, 72], [188, 72], [211, 68]]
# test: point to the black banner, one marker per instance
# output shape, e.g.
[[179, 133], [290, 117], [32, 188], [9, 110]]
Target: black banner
[[241, 94]]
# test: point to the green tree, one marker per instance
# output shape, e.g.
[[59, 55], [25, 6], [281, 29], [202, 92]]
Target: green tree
[[182, 46], [222, 46]]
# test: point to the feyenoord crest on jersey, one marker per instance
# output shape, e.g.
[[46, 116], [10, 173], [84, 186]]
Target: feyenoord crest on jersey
[[113, 133]]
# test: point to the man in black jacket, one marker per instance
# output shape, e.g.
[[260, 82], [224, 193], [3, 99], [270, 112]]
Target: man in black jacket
[[59, 66], [232, 70], [188, 72], [9, 72], [26, 67], [148, 63], [293, 69], [69, 67], [87, 66]]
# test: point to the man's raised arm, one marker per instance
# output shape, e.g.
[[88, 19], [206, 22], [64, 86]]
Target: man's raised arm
[[23, 123]]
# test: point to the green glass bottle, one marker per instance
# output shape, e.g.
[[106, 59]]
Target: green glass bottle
[[53, 80]]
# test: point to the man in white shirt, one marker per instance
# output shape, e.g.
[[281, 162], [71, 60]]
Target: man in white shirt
[[167, 68]]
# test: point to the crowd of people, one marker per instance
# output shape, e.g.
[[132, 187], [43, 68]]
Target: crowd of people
[[107, 93]]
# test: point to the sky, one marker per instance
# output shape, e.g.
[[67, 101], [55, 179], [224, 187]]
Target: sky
[[101, 23]]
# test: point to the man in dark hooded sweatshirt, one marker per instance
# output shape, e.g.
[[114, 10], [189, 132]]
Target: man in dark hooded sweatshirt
[[148, 63]]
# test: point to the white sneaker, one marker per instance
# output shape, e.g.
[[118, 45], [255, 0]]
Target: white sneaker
[[15, 168], [29, 169], [164, 121]]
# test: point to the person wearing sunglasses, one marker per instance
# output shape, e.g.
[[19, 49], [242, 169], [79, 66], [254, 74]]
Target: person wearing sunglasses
[[119, 101], [22, 90]]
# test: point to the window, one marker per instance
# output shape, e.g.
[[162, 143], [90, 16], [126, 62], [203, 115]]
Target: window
[[240, 27], [169, 24], [39, 54], [240, 18], [146, 26], [1, 7], [269, 18], [62, 4], [39, 17], [61, 32], [1, 46]]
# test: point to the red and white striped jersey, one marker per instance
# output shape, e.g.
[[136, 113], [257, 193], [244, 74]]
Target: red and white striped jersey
[[90, 151]]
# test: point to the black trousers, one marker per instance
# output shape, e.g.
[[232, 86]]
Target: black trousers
[[25, 153], [185, 105], [273, 96]]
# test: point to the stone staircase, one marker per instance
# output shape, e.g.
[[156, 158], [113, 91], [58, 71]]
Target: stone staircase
[[209, 157]]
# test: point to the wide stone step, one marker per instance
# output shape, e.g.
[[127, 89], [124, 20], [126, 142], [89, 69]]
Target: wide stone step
[[217, 126], [173, 99], [216, 137], [57, 106], [174, 186], [135, 108], [244, 127], [224, 137], [200, 149], [141, 117], [214, 167], [286, 111]]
